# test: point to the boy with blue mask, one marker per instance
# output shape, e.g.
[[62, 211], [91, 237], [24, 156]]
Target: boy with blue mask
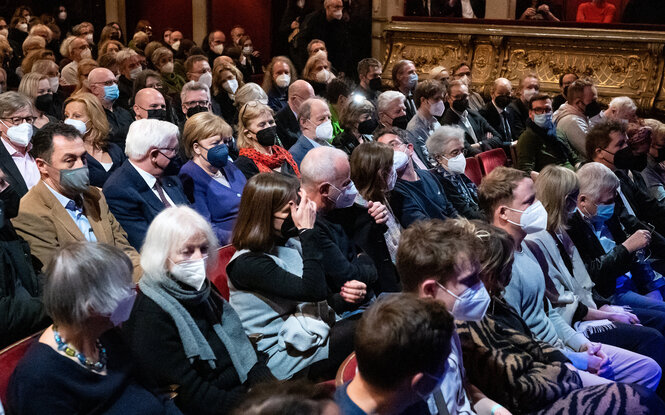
[[508, 198], [540, 145], [439, 260]]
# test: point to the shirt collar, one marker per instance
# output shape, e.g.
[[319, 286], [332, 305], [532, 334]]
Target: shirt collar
[[499, 110], [149, 178], [12, 151], [64, 200]]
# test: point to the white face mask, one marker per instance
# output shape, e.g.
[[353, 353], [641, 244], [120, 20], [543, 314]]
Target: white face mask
[[533, 219], [247, 50], [175, 45], [230, 86], [345, 197], [472, 304], [23, 27], [392, 179], [78, 124], [528, 94], [218, 49], [62, 15], [86, 54], [4, 32], [324, 130], [54, 83], [19, 134], [337, 14], [400, 161], [206, 79], [192, 272], [437, 109], [134, 73], [324, 76], [88, 37], [457, 164], [123, 309], [283, 80], [167, 68]]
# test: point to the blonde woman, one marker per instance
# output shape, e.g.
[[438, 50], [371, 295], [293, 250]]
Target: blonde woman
[[85, 113], [318, 72], [211, 181], [257, 141], [37, 88], [226, 80]]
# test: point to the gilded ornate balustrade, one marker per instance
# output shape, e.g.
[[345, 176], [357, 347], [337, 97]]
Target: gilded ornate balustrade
[[621, 62]]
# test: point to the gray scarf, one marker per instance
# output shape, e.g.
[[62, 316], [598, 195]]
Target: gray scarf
[[168, 295]]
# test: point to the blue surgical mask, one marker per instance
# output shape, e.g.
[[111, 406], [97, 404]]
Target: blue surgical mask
[[413, 80], [111, 92], [543, 120], [604, 212]]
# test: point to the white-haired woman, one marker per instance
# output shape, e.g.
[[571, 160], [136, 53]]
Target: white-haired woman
[[446, 147], [80, 364], [181, 331]]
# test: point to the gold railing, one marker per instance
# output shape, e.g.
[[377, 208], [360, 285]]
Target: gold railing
[[621, 62]]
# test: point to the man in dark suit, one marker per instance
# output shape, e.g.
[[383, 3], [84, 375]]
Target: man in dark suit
[[286, 119], [529, 88], [498, 113], [478, 133], [313, 113], [405, 80], [145, 184]]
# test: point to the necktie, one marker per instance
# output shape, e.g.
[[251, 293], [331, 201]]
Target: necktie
[[162, 196], [440, 402], [507, 135]]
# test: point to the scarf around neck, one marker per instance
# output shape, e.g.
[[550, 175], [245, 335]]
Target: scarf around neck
[[267, 162]]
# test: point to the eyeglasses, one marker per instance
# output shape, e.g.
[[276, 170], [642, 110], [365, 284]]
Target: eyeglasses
[[190, 104], [107, 83], [252, 104], [21, 120], [172, 150], [155, 86], [455, 153]]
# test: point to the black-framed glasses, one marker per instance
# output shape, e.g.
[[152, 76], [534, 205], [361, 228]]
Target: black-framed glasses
[[203, 103], [21, 120]]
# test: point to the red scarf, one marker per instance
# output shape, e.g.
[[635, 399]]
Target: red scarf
[[268, 162]]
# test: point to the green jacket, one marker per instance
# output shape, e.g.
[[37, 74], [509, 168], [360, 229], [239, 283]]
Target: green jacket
[[536, 149]]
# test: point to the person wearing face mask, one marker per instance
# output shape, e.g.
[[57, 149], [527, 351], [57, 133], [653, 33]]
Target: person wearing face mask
[[83, 112], [211, 181], [36, 86], [565, 80], [402, 344], [162, 59], [654, 173], [620, 109], [149, 103], [501, 346], [326, 178], [429, 100], [280, 261], [405, 80], [498, 113], [606, 143], [374, 174], [130, 69], [392, 110], [529, 87], [446, 146], [315, 128], [508, 198], [318, 73], [20, 305], [540, 144], [16, 133], [369, 76], [213, 45], [181, 330], [258, 143], [279, 75], [104, 86], [63, 207], [418, 194], [88, 293], [146, 183], [77, 49], [359, 120], [462, 72], [249, 61], [572, 119], [478, 133], [226, 81], [286, 119]]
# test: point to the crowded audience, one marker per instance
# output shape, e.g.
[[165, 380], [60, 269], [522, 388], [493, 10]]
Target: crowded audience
[[204, 228]]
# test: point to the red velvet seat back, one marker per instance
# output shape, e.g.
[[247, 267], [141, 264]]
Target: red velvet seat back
[[472, 170], [347, 370], [218, 277], [491, 159]]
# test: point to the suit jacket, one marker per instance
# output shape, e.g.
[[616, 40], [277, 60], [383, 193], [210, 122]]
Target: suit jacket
[[520, 113], [214, 201], [12, 173], [646, 207], [46, 225], [300, 149], [490, 113], [288, 128], [480, 126], [134, 204]]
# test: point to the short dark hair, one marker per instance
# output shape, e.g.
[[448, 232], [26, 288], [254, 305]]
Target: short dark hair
[[432, 249], [563, 75], [381, 131], [427, 89], [399, 336], [599, 135], [285, 397], [42, 141], [538, 97], [189, 63], [576, 89], [367, 63], [458, 66], [336, 88]]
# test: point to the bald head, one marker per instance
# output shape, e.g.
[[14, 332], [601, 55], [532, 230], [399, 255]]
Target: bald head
[[323, 165], [222, 59], [98, 80], [148, 99], [299, 92], [502, 87]]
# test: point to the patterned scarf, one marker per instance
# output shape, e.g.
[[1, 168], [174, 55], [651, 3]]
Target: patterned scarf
[[267, 162]]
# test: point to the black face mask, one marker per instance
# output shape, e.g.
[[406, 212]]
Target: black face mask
[[461, 105], [289, 229], [401, 122], [624, 159], [502, 101], [267, 137], [592, 109], [195, 110], [368, 126], [375, 84], [158, 114], [44, 102], [173, 168]]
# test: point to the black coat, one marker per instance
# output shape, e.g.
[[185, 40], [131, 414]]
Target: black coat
[[288, 128], [521, 113], [490, 113], [646, 207], [480, 126], [12, 173]]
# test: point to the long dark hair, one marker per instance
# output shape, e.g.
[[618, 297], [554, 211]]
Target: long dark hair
[[371, 163]]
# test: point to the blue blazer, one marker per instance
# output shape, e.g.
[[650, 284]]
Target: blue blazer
[[134, 204], [214, 201], [99, 175], [300, 148]]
